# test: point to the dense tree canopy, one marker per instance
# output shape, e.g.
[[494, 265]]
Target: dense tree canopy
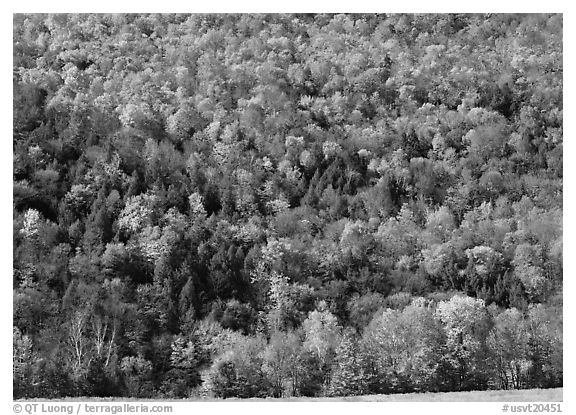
[[272, 205]]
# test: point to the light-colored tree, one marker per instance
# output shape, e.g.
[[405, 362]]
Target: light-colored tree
[[355, 239], [79, 197], [439, 225], [331, 149], [508, 342], [528, 267], [137, 213], [195, 201], [79, 343], [181, 123], [22, 361], [237, 371], [348, 375], [281, 363], [31, 225], [401, 348], [466, 324], [322, 333], [545, 328], [399, 235], [104, 332], [184, 354]]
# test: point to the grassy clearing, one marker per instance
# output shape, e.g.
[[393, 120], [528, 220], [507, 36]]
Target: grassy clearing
[[527, 395]]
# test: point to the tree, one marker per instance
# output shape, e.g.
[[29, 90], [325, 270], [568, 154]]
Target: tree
[[79, 344], [22, 360], [401, 349], [484, 268], [508, 342], [348, 375], [545, 346], [237, 371], [528, 267], [32, 221], [322, 334], [281, 363], [136, 371], [466, 324], [361, 309], [136, 214], [183, 375]]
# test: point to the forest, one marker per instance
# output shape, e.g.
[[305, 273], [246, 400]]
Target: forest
[[271, 205]]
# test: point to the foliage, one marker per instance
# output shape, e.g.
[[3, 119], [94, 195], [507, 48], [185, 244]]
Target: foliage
[[280, 205]]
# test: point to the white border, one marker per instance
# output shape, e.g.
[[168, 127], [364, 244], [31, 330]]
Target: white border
[[275, 7]]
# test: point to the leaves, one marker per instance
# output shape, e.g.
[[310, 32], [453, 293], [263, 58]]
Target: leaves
[[183, 180]]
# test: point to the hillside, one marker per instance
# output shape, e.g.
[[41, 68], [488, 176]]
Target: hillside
[[278, 205]]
